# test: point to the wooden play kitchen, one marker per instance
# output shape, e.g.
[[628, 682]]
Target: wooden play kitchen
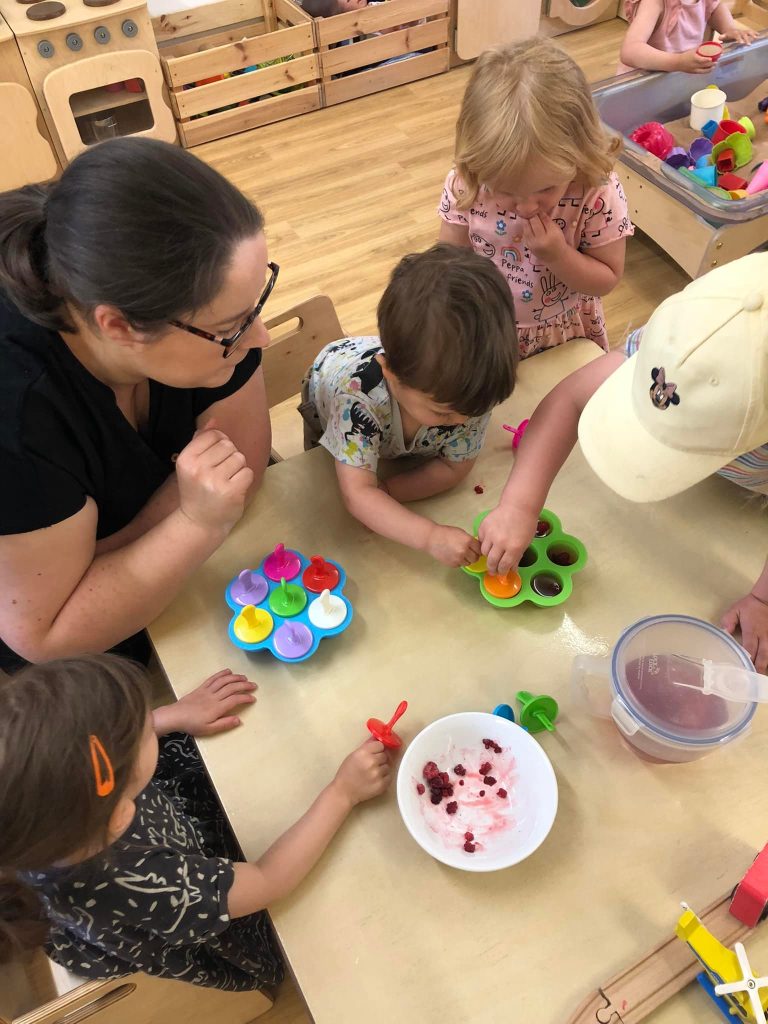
[[28, 152], [412, 938], [94, 70]]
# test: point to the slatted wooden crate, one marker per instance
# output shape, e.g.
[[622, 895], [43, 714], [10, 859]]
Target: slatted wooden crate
[[263, 71], [355, 61]]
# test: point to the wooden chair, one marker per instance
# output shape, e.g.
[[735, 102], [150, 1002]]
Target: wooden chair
[[297, 337]]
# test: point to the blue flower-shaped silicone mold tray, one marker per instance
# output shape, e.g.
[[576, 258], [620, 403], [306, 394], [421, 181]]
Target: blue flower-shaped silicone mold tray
[[268, 643]]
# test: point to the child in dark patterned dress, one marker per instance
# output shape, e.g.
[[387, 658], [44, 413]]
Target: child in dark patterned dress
[[120, 862]]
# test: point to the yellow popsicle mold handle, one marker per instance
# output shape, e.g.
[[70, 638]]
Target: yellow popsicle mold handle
[[253, 625]]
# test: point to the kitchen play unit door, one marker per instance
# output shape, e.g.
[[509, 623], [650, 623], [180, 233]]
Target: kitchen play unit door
[[578, 13], [484, 23]]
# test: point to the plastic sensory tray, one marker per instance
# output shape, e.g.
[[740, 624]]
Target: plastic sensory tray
[[546, 568], [279, 606]]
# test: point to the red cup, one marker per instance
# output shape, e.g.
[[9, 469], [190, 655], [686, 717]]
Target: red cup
[[711, 50]]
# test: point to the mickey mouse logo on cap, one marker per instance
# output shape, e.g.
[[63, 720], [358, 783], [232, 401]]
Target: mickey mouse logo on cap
[[662, 394]]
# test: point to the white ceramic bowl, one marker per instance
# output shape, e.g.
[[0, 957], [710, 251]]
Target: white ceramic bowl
[[506, 830]]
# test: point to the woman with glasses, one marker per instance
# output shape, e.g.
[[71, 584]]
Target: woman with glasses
[[133, 417]]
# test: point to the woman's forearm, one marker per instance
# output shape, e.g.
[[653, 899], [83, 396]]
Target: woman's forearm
[[123, 591]]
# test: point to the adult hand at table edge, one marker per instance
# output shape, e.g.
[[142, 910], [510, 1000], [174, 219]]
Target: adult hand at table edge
[[208, 709], [504, 535]]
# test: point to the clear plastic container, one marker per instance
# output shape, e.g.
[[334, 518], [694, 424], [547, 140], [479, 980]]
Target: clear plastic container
[[643, 687], [627, 101]]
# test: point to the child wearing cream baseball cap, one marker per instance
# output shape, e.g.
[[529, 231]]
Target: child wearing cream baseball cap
[[686, 397]]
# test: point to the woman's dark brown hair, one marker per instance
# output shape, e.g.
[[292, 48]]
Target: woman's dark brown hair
[[447, 327], [137, 224], [49, 807]]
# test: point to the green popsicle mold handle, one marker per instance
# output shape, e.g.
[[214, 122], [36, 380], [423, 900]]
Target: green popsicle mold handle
[[537, 713], [546, 567]]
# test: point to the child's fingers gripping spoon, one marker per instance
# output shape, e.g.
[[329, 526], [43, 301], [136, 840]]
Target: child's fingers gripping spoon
[[544, 574], [287, 619], [382, 731]]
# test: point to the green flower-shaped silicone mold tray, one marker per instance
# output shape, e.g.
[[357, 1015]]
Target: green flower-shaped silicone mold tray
[[546, 568]]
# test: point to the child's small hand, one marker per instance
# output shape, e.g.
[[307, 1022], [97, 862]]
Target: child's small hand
[[208, 709], [692, 64], [365, 773], [750, 615], [452, 546], [740, 34], [504, 535], [544, 238]]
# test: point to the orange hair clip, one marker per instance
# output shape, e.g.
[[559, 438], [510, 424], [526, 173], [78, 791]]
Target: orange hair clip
[[102, 767]]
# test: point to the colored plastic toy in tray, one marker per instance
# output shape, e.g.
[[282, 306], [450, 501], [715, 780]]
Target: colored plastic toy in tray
[[545, 573], [288, 605]]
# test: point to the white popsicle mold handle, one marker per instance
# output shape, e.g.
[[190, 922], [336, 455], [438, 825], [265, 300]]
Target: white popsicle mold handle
[[759, 181], [325, 602], [590, 684], [735, 684]]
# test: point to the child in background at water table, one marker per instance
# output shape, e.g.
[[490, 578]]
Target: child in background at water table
[[686, 397], [446, 356], [534, 191], [664, 35], [120, 861]]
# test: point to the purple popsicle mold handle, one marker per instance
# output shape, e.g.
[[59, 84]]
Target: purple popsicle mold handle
[[249, 588]]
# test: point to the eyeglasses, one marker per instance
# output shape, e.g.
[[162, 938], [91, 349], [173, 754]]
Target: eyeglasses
[[230, 344]]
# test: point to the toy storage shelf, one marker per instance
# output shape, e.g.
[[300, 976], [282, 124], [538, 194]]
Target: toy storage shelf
[[256, 80], [406, 40]]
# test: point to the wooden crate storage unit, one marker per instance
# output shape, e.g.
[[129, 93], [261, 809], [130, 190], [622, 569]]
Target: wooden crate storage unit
[[408, 27], [269, 73]]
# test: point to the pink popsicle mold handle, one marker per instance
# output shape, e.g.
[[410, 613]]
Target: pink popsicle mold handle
[[759, 180], [516, 432]]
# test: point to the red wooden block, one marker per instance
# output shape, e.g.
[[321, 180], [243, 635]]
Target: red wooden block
[[751, 894]]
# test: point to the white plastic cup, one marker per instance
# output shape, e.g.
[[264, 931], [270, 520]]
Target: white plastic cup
[[707, 105]]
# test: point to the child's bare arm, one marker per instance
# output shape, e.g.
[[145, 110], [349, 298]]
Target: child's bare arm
[[749, 615], [722, 21], [454, 234], [638, 53], [434, 477], [507, 531], [364, 774], [383, 514]]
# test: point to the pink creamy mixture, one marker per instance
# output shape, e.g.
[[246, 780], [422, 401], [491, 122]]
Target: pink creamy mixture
[[481, 817]]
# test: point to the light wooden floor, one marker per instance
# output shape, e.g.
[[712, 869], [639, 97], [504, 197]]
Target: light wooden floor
[[349, 190]]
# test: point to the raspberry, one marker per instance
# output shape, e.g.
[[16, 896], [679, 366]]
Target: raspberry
[[469, 836], [461, 782], [419, 789], [485, 767], [436, 798], [448, 790], [459, 770], [481, 793], [452, 807], [444, 778], [469, 847], [489, 780], [479, 489], [488, 744], [496, 748], [430, 770], [502, 793]]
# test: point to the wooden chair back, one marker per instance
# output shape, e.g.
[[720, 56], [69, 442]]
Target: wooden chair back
[[307, 327]]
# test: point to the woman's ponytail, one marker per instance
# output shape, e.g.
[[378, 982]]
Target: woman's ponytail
[[24, 258]]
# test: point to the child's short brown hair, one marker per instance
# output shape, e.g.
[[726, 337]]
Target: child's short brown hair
[[447, 327], [321, 8]]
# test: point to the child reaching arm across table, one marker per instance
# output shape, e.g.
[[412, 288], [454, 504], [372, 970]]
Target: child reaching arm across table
[[114, 856], [686, 397], [447, 355], [664, 35], [534, 191]]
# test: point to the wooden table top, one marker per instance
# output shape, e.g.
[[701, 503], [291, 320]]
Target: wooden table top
[[380, 931]]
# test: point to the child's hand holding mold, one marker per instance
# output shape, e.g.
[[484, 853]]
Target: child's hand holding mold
[[446, 357]]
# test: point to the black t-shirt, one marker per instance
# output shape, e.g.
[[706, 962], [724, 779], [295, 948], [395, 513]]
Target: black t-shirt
[[63, 437]]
